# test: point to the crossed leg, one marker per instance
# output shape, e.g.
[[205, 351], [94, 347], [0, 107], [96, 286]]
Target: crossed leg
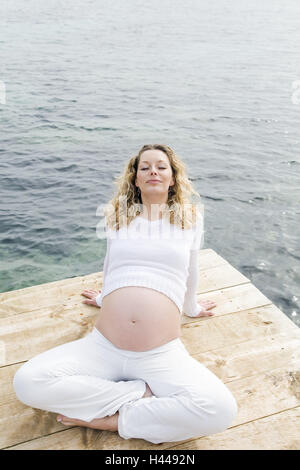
[[108, 423]]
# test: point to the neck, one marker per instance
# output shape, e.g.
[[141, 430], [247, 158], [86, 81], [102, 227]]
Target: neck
[[151, 207]]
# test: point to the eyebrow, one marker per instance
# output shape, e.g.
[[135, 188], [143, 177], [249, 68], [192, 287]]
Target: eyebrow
[[145, 161]]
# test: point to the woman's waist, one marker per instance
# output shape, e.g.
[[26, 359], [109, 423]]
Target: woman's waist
[[156, 285]]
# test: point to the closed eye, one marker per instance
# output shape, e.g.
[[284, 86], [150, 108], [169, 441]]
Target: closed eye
[[160, 168]]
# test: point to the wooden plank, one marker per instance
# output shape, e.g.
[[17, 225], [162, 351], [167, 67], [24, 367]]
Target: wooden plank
[[209, 258], [267, 393], [70, 439], [240, 360], [234, 299], [26, 335], [220, 277], [276, 432], [230, 363], [52, 294], [209, 333]]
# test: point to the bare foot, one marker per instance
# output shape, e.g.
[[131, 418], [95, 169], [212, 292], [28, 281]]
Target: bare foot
[[108, 423]]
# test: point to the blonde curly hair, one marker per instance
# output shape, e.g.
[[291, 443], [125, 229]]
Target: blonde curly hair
[[127, 204]]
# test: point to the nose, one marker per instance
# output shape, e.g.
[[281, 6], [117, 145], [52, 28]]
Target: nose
[[153, 171]]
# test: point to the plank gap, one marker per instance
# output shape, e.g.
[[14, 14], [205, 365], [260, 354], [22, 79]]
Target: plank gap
[[36, 438], [233, 427]]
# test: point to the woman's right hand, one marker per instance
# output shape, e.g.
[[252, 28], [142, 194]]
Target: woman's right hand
[[91, 295]]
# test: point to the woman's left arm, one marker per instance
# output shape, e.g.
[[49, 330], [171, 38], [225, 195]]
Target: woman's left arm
[[191, 308], [105, 269]]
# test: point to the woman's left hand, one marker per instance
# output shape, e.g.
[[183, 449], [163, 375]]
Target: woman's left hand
[[206, 305], [91, 295]]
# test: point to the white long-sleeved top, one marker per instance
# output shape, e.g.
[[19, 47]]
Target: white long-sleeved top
[[158, 255]]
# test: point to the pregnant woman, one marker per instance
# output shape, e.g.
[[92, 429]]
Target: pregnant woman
[[132, 374]]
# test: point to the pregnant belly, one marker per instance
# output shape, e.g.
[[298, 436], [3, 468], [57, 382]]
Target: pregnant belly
[[138, 318]]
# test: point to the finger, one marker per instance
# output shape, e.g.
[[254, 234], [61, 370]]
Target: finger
[[209, 306], [90, 302], [88, 295], [205, 313]]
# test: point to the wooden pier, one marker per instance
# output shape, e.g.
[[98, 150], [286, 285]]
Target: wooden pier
[[249, 344]]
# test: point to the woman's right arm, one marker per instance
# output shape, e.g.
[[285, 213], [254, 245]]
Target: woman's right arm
[[105, 269]]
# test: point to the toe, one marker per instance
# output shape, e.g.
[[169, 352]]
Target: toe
[[65, 420]]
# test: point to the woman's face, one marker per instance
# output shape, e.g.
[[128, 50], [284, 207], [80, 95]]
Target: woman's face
[[154, 165]]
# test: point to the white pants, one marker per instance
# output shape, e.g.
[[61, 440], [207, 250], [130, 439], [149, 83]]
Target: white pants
[[91, 378]]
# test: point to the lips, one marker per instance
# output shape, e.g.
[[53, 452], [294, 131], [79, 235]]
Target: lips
[[153, 181]]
